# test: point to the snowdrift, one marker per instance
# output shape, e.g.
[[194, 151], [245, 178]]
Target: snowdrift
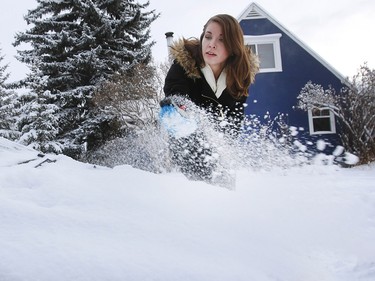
[[65, 220]]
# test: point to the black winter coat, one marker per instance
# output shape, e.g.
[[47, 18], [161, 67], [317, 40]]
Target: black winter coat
[[186, 78], [199, 91]]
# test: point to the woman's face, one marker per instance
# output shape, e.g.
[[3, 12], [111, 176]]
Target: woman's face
[[214, 51]]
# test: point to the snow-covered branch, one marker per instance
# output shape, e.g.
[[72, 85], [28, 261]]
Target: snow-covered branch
[[354, 107]]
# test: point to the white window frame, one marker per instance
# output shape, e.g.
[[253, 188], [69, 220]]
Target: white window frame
[[331, 119], [273, 39]]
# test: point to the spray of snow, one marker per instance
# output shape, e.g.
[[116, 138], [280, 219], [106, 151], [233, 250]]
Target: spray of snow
[[210, 148]]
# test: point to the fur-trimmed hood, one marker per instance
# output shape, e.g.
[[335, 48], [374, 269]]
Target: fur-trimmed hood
[[184, 58]]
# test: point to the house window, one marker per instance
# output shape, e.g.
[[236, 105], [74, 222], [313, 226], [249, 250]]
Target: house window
[[321, 121], [267, 47]]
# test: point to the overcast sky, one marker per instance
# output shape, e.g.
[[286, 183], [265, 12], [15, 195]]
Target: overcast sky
[[340, 31]]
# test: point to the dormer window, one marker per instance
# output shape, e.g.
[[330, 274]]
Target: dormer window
[[267, 47]]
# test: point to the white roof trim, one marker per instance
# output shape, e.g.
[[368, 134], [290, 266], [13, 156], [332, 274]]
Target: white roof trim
[[254, 11]]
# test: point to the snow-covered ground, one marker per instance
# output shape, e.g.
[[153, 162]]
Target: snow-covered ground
[[62, 220]]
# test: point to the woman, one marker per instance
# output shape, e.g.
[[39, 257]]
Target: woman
[[213, 72]]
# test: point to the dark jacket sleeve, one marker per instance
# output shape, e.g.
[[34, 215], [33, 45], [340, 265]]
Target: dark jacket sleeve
[[176, 81]]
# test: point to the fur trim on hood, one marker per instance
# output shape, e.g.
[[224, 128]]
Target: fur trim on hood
[[189, 63], [185, 58]]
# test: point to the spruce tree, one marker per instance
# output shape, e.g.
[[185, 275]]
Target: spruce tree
[[75, 47], [8, 106]]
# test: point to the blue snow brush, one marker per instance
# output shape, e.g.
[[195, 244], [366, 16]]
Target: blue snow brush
[[175, 119]]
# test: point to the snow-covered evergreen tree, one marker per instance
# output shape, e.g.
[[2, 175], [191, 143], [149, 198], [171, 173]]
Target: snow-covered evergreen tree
[[3, 74], [38, 122], [8, 106], [76, 46]]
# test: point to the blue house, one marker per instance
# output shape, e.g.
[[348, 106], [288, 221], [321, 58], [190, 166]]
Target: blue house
[[286, 65]]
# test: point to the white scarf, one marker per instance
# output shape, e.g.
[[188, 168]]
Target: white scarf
[[217, 86]]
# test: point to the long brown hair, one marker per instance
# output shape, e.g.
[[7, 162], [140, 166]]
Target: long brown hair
[[241, 65]]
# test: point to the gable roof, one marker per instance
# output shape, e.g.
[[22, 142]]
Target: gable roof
[[254, 11]]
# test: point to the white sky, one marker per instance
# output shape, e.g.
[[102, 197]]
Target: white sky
[[340, 31]]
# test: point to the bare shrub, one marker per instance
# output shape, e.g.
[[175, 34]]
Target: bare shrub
[[354, 107]]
